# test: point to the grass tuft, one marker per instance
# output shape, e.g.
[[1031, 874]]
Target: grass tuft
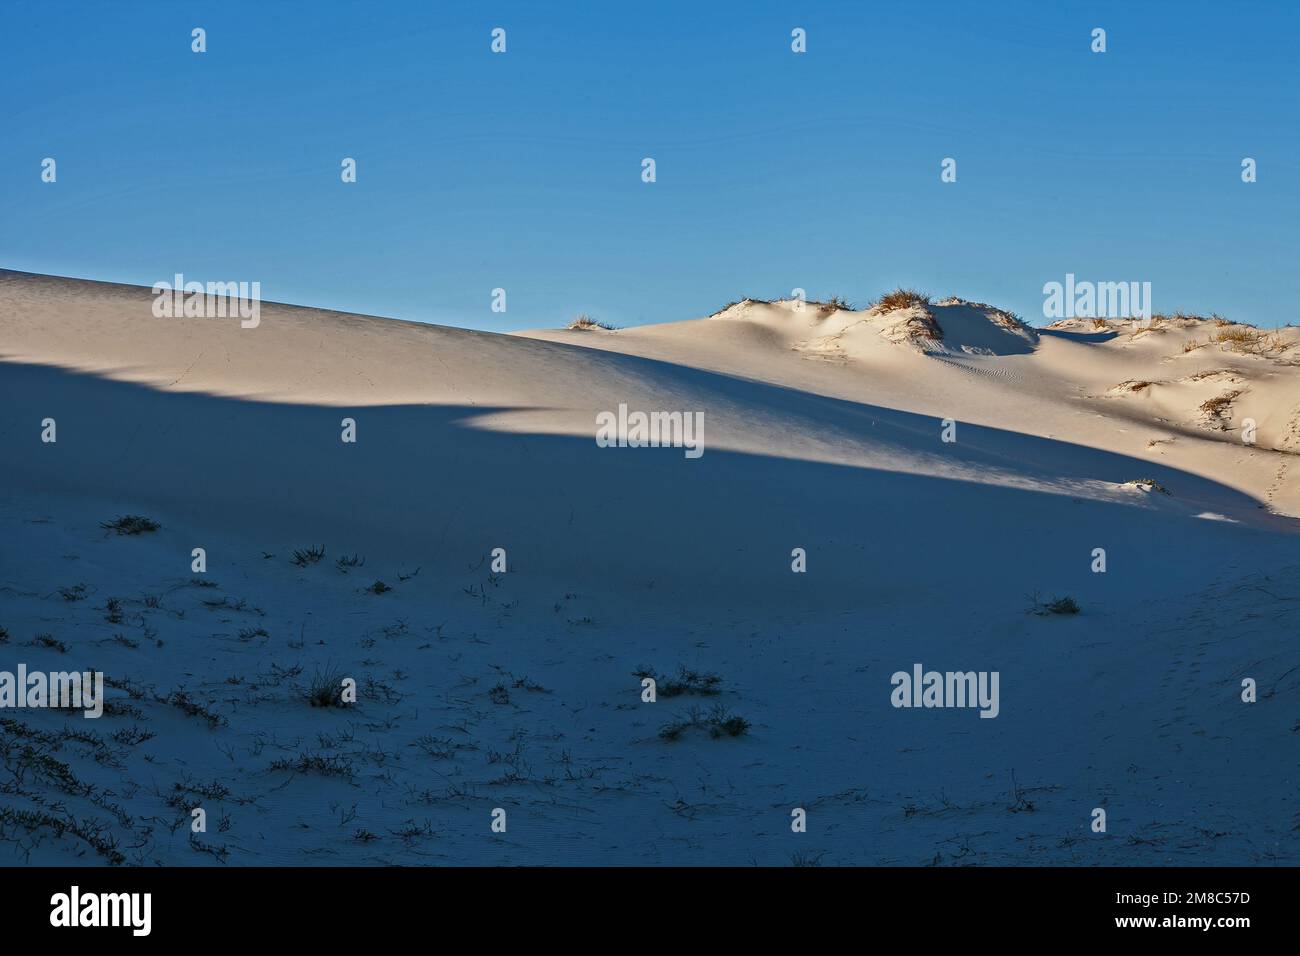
[[130, 524], [1150, 484], [1057, 605], [585, 323], [900, 298], [719, 722], [307, 556], [326, 689]]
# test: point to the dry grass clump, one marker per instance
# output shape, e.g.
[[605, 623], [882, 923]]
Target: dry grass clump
[[1249, 340], [837, 302], [1215, 406], [1157, 323], [326, 688], [923, 328], [1237, 335], [687, 681], [1063, 604], [1219, 409], [1133, 385], [585, 323], [900, 298], [718, 722], [303, 557], [130, 524]]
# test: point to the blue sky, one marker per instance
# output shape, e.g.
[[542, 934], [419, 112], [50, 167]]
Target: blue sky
[[775, 170]]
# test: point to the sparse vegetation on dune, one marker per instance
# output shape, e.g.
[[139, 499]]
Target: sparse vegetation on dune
[[1063, 604], [1236, 335], [1250, 340], [130, 524], [94, 833], [1150, 484], [687, 681], [326, 688], [924, 327], [326, 765], [900, 298], [49, 642], [1217, 408], [831, 304], [718, 722], [306, 556], [181, 699], [1133, 385], [744, 301], [835, 302], [113, 611], [585, 323]]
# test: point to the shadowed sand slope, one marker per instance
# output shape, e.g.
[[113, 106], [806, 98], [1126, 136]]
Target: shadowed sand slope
[[520, 688]]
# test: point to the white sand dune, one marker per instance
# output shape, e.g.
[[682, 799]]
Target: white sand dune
[[822, 431], [1052, 383]]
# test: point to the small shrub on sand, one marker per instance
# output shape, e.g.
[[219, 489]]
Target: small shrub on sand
[[1236, 335], [1150, 484], [181, 699], [719, 722], [1057, 605], [674, 729], [327, 765], [49, 642], [687, 681], [113, 611], [326, 689], [1243, 338], [130, 524], [585, 323], [900, 299], [306, 556], [837, 302], [1217, 406], [924, 328], [725, 724]]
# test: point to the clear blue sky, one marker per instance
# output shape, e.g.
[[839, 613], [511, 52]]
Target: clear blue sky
[[775, 170]]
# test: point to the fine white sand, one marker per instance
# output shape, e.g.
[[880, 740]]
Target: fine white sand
[[520, 690]]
